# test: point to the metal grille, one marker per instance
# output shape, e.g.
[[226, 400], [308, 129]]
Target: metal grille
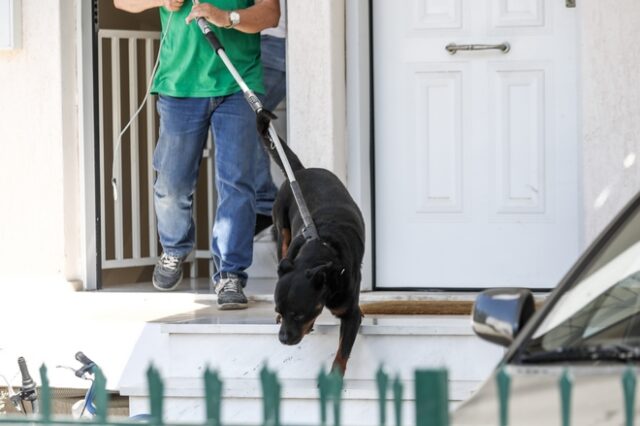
[[126, 60]]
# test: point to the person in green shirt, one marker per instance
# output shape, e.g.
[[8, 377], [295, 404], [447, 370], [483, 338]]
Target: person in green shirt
[[196, 93]]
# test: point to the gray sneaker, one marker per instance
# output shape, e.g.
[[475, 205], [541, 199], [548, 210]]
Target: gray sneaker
[[167, 273], [230, 294]]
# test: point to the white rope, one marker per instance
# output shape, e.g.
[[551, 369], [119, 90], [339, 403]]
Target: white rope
[[114, 182]]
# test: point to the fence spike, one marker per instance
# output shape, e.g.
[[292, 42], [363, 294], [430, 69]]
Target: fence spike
[[566, 384], [432, 397], [45, 395], [504, 384], [101, 398], [335, 384], [156, 394], [397, 400], [270, 397], [323, 387], [382, 381], [629, 389], [213, 396]]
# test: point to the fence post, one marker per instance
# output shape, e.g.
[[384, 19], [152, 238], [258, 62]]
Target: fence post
[[323, 388], [213, 396], [382, 381], [432, 397], [45, 395], [334, 382], [629, 389], [270, 397], [565, 397], [397, 400], [156, 395], [101, 399], [504, 384]]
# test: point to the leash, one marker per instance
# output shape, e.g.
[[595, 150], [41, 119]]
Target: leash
[[309, 231]]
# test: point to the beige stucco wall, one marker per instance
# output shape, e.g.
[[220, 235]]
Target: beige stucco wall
[[38, 161], [611, 108]]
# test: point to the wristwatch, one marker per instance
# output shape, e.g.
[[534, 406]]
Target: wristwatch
[[234, 19]]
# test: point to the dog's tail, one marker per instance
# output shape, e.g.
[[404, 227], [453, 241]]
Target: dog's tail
[[263, 119]]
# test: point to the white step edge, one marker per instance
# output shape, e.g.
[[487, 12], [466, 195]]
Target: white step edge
[[411, 326]]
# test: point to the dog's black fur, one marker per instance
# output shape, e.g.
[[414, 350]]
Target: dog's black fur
[[314, 273]]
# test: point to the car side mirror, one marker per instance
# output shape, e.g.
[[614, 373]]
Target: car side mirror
[[500, 313]]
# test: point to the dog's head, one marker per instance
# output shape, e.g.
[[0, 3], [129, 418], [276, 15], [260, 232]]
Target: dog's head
[[302, 289]]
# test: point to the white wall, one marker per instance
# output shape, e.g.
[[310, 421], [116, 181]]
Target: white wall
[[316, 83], [611, 107], [38, 161]]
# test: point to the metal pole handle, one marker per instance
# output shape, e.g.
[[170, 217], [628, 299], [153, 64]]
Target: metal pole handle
[[310, 228], [452, 48]]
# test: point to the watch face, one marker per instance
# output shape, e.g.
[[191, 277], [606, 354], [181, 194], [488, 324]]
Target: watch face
[[234, 17]]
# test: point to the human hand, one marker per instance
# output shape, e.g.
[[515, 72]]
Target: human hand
[[217, 17], [172, 5]]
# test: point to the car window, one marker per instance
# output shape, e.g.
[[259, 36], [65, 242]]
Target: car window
[[602, 307]]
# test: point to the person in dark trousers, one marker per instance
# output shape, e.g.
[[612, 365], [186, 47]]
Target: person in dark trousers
[[196, 94], [273, 47]]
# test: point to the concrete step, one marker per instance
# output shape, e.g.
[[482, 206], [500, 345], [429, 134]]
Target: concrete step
[[239, 346], [239, 350], [265, 261]]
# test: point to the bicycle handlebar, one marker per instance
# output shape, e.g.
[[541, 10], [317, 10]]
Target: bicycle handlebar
[[80, 356], [28, 385], [87, 364]]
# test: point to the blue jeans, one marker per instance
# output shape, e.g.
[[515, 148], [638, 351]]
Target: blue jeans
[[275, 83], [184, 124]]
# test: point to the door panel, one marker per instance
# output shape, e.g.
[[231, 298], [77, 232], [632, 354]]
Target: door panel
[[475, 153]]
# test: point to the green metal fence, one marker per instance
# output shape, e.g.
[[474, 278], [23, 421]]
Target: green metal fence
[[431, 399]]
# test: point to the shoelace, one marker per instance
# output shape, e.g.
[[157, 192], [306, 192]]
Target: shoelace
[[231, 285], [170, 262]]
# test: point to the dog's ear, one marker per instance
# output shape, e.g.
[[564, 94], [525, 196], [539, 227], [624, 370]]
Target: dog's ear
[[285, 266], [336, 276], [318, 274]]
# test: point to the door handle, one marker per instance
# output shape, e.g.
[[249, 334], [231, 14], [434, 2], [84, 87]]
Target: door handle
[[452, 48]]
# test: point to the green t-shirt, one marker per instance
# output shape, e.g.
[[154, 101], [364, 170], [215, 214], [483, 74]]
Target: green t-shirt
[[189, 67]]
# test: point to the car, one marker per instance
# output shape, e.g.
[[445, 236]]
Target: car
[[586, 332]]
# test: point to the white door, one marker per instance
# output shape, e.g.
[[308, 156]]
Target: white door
[[476, 179]]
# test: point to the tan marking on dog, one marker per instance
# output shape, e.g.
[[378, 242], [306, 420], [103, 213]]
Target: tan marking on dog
[[308, 326], [338, 311], [286, 240], [340, 362]]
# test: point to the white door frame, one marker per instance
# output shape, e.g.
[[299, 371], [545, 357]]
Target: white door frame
[[359, 109], [86, 149]]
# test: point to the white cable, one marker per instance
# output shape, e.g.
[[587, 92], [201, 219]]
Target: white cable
[[114, 182]]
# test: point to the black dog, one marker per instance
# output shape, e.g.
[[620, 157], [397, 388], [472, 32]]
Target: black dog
[[314, 273]]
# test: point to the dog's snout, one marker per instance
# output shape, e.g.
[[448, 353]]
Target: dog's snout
[[283, 336], [288, 338]]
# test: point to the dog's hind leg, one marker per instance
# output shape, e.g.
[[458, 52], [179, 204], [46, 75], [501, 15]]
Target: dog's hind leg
[[349, 326]]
